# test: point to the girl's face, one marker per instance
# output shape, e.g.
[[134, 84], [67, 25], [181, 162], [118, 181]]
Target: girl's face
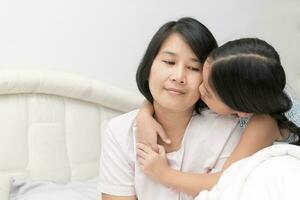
[[175, 76], [209, 96]]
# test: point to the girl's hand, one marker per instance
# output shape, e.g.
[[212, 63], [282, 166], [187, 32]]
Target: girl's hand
[[153, 164], [148, 128]]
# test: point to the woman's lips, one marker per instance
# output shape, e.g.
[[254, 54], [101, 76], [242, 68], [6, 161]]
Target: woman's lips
[[175, 91]]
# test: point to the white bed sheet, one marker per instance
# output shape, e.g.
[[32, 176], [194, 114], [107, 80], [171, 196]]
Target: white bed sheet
[[26, 189]]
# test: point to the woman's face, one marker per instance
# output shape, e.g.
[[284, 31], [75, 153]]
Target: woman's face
[[209, 96], [175, 76]]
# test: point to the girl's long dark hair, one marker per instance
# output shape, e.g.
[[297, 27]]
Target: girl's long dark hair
[[248, 76]]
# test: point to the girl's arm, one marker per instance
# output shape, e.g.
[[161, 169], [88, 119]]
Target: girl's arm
[[260, 132], [111, 197], [155, 166], [148, 128]]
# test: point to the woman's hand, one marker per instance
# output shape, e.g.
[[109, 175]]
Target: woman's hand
[[148, 128], [153, 164]]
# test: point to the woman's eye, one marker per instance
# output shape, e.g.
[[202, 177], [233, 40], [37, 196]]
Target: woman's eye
[[194, 68], [169, 62]]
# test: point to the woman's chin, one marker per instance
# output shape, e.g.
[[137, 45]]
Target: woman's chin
[[175, 107]]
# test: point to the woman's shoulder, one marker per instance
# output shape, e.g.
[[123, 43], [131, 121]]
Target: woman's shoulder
[[122, 122], [120, 129], [125, 118]]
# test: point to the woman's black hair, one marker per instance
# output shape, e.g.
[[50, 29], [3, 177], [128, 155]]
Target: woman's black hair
[[248, 77], [195, 34]]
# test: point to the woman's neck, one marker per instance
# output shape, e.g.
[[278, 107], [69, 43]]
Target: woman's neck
[[174, 123]]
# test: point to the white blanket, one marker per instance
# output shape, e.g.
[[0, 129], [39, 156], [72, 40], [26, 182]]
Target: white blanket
[[271, 174]]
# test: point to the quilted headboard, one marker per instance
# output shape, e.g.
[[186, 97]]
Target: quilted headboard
[[51, 124]]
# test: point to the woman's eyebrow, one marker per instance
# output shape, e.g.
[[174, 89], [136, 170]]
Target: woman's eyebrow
[[169, 53], [174, 54], [195, 60]]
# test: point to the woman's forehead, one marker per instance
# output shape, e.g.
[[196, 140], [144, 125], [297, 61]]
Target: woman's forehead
[[176, 44]]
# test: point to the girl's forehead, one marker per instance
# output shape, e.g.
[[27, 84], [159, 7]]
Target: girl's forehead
[[208, 62], [206, 68], [206, 73]]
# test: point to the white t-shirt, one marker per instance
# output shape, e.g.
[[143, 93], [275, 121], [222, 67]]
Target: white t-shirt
[[208, 141]]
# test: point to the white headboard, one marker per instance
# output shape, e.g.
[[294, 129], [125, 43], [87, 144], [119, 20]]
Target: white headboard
[[51, 123]]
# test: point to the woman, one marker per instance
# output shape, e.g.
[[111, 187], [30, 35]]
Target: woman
[[200, 142]]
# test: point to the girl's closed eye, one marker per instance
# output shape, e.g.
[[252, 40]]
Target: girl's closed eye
[[206, 95], [203, 92]]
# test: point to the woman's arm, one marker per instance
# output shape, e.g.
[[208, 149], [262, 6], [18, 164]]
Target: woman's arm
[[117, 173], [260, 132]]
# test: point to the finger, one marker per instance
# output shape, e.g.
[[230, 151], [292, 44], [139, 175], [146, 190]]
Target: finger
[[155, 147], [141, 153], [144, 147], [163, 135], [141, 161], [161, 150]]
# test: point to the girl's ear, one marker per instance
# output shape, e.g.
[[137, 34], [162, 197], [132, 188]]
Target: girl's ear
[[243, 114]]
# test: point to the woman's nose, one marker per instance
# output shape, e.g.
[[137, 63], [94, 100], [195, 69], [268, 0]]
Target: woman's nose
[[178, 75]]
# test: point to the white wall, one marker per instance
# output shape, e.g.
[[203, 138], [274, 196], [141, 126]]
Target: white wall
[[106, 39]]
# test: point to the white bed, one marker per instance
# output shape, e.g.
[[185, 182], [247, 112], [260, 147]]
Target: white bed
[[51, 124], [50, 137]]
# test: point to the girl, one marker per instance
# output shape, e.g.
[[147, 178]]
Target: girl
[[245, 78]]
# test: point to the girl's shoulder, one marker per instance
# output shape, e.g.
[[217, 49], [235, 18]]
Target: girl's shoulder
[[294, 113], [243, 121]]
